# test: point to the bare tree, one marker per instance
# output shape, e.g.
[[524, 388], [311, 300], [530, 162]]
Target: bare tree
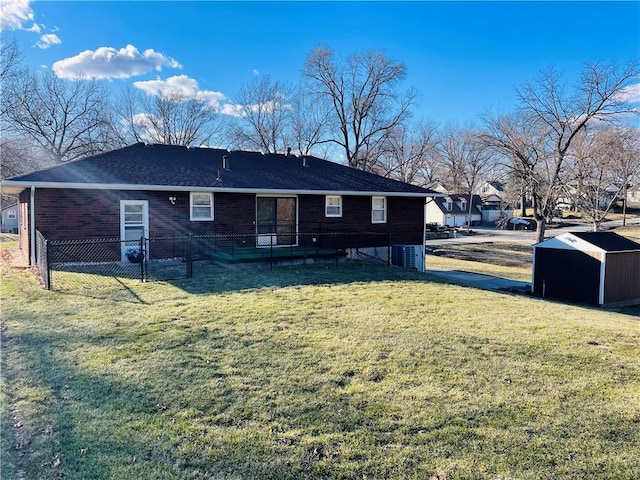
[[168, 119], [606, 161], [12, 162], [265, 115], [67, 119], [10, 67], [453, 147], [624, 145], [522, 146], [310, 120], [592, 187], [410, 155], [362, 94], [19, 158], [540, 137], [467, 159]]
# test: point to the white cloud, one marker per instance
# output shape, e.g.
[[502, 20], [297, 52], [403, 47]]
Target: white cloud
[[232, 109], [49, 39], [630, 93], [183, 86], [268, 107], [107, 62], [143, 119], [17, 15]]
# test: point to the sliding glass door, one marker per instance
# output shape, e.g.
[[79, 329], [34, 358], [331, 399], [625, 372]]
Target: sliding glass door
[[276, 221]]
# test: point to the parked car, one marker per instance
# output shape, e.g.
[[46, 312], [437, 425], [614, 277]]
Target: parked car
[[518, 223]]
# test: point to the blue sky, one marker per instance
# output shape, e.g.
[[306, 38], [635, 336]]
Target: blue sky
[[463, 58]]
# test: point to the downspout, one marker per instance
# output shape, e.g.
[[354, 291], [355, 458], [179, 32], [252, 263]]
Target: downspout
[[32, 225], [424, 235]]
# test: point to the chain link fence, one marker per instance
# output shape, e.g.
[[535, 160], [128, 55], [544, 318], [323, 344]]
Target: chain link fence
[[95, 264]]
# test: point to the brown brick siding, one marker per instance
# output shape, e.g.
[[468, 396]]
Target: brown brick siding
[[405, 217], [83, 214]]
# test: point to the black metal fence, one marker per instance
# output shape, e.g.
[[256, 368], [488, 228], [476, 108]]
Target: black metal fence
[[95, 263]]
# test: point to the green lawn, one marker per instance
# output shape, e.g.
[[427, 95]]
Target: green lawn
[[319, 372]]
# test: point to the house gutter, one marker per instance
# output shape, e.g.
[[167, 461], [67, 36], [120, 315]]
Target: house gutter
[[32, 225], [16, 187]]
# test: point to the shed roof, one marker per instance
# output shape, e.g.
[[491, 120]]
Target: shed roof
[[166, 166], [608, 241], [602, 241]]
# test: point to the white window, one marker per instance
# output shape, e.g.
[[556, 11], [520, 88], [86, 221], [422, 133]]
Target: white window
[[11, 215], [333, 206], [378, 209], [201, 206]]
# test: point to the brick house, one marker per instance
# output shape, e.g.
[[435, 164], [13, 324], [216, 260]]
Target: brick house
[[161, 190]]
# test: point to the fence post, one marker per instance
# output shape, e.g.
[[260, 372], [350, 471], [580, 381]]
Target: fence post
[[143, 260], [189, 259], [48, 257], [271, 250]]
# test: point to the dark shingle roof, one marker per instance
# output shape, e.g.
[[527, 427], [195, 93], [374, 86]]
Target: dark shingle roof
[[165, 166], [608, 241], [455, 208]]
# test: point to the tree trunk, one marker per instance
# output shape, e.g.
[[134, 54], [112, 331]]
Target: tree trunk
[[541, 228], [624, 203]]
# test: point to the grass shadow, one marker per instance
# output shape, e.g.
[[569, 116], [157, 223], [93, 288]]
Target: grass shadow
[[115, 290], [217, 279]]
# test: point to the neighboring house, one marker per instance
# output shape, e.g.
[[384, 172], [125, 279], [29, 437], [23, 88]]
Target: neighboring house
[[491, 188], [598, 268], [608, 196], [633, 194], [9, 218], [493, 206], [453, 210], [493, 209], [440, 188], [161, 190]]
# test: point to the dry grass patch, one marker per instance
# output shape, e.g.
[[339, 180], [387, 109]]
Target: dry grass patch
[[502, 259]]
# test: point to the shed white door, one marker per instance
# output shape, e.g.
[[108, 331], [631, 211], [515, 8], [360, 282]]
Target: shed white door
[[134, 223]]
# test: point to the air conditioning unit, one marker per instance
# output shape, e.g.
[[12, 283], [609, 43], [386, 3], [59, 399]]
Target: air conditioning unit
[[408, 256]]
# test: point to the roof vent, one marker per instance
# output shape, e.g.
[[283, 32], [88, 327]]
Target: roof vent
[[304, 162], [225, 162], [288, 151]]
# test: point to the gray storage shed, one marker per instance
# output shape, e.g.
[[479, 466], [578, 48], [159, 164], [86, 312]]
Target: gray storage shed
[[598, 268]]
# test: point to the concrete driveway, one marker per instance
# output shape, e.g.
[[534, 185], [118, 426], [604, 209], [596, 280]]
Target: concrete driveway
[[478, 280]]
